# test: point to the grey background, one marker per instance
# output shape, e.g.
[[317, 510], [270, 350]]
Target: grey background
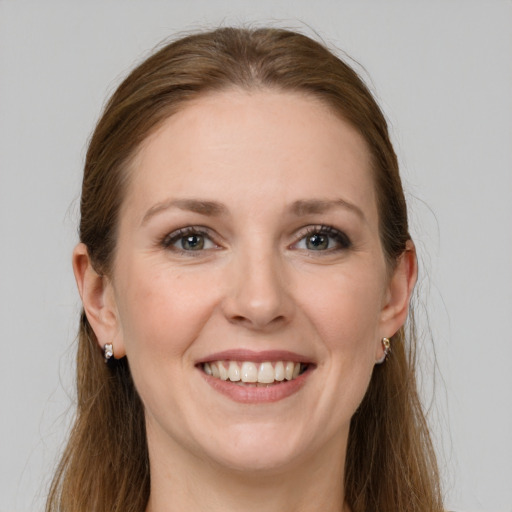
[[442, 71]]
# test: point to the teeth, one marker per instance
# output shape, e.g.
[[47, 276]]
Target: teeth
[[223, 372], [266, 373], [279, 371], [233, 372], [288, 370], [249, 372]]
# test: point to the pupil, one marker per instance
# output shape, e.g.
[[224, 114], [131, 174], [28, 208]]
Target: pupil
[[317, 242], [193, 242]]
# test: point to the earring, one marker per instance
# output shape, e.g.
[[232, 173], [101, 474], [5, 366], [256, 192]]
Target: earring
[[386, 345], [108, 352]]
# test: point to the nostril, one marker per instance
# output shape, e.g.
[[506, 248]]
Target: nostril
[[258, 322]]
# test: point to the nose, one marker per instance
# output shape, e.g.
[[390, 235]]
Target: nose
[[258, 295]]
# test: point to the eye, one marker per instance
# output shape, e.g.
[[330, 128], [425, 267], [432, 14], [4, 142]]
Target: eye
[[323, 238], [190, 239]]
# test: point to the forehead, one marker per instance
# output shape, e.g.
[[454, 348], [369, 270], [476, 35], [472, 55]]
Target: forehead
[[264, 142]]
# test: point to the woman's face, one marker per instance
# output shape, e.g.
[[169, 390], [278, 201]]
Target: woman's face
[[248, 242]]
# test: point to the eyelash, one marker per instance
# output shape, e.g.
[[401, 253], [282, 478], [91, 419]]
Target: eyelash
[[174, 237], [341, 239]]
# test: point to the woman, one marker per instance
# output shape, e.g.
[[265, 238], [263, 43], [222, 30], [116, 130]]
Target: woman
[[245, 269]]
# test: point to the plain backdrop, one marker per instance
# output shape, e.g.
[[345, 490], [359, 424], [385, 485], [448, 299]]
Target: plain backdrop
[[442, 71]]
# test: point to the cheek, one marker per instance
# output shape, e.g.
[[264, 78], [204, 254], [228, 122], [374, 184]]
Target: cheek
[[345, 314], [346, 310], [161, 311]]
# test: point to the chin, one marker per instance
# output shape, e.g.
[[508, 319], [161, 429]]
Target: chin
[[257, 449], [253, 461]]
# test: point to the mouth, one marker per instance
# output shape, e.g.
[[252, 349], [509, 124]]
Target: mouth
[[256, 377], [255, 374]]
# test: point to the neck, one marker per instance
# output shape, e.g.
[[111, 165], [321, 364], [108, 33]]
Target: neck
[[200, 485]]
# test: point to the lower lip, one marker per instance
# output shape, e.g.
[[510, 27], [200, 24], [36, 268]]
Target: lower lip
[[257, 394]]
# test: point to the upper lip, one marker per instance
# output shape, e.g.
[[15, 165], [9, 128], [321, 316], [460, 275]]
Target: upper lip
[[241, 354]]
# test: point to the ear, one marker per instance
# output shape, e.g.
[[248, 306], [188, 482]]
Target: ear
[[98, 300], [398, 295]]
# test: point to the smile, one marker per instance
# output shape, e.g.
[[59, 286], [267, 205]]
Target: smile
[[256, 377], [252, 373]]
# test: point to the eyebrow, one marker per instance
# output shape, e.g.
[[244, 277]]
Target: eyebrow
[[311, 206], [299, 208], [210, 208]]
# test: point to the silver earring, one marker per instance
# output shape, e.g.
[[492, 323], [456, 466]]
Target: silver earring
[[386, 345], [108, 352]]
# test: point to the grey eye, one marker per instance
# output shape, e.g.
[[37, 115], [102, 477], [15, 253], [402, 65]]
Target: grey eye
[[192, 242], [189, 239], [317, 242], [323, 238]]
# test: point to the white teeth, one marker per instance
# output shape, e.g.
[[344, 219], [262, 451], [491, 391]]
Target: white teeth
[[234, 372], [249, 372], [266, 373], [223, 372], [279, 371], [288, 370]]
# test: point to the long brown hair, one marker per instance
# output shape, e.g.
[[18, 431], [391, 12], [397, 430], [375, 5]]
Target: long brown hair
[[390, 463]]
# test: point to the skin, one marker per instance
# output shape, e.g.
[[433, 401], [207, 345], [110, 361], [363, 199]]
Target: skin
[[257, 284]]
